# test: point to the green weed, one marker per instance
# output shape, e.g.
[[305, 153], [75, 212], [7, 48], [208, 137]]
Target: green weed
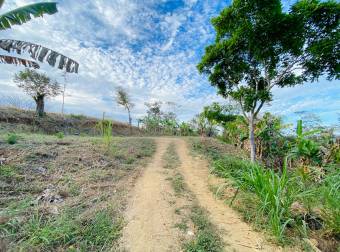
[[60, 135], [206, 239], [102, 230], [170, 157], [12, 139], [178, 184]]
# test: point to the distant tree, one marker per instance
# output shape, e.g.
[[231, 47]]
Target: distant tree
[[203, 126], [124, 100], [38, 86], [258, 46], [220, 114]]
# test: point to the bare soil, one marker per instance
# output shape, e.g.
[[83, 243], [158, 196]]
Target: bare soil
[[151, 219]]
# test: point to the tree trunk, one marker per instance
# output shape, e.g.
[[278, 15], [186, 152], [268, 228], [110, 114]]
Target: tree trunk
[[252, 138], [39, 100], [130, 121]]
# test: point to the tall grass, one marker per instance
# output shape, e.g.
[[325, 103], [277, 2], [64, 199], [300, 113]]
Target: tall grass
[[272, 190], [330, 197]]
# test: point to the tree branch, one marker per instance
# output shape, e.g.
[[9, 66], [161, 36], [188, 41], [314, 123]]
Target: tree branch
[[259, 108]]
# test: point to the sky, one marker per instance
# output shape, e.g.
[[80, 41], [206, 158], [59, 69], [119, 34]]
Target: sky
[[149, 47]]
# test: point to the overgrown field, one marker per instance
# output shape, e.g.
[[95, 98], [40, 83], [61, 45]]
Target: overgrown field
[[65, 193], [297, 207]]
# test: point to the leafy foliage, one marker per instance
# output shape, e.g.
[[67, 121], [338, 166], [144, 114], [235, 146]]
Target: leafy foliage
[[251, 54], [304, 147], [23, 14], [37, 52], [36, 84], [39, 86], [12, 139]]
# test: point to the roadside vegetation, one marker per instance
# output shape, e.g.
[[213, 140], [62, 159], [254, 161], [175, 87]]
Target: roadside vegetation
[[66, 195], [199, 234], [293, 203]]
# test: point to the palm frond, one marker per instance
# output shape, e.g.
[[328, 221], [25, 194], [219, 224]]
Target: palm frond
[[40, 53], [18, 61], [24, 14]]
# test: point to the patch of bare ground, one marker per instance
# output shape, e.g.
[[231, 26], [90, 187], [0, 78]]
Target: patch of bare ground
[[150, 215], [68, 194], [236, 234]]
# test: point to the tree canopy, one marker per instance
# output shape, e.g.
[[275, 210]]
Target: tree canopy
[[259, 46]]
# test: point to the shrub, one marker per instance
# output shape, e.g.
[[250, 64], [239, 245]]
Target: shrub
[[12, 139], [273, 190], [60, 135]]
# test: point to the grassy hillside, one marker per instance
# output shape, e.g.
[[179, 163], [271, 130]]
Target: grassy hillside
[[66, 194], [12, 119]]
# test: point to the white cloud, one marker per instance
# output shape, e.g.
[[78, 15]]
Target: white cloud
[[129, 43]]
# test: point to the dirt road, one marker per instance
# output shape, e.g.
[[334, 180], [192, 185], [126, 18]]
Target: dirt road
[[150, 216]]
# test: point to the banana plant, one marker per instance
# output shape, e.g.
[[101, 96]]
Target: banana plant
[[304, 147], [39, 53]]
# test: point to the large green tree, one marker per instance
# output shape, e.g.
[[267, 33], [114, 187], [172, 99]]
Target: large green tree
[[259, 46], [37, 52]]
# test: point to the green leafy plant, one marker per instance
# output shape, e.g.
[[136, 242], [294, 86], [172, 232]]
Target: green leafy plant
[[12, 139], [105, 128], [60, 135], [251, 55], [37, 52], [273, 190], [304, 147]]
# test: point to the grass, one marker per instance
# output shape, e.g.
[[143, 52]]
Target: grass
[[170, 158], [60, 135], [178, 184], [42, 232], [206, 237], [91, 178], [266, 197]]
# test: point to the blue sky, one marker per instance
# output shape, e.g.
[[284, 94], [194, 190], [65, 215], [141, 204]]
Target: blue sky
[[149, 47]]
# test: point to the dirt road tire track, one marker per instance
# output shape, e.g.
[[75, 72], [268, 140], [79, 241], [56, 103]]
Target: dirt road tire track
[[150, 218]]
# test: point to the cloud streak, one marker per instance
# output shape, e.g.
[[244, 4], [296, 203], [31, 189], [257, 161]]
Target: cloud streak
[[149, 47]]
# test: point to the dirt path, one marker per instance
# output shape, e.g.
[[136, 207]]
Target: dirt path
[[150, 216], [236, 234]]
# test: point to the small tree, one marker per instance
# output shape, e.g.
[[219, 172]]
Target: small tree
[[38, 86], [123, 99], [258, 46]]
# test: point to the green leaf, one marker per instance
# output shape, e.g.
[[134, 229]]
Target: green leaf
[[24, 14], [299, 128]]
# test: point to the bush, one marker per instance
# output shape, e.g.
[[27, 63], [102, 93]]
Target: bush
[[12, 139], [60, 135]]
